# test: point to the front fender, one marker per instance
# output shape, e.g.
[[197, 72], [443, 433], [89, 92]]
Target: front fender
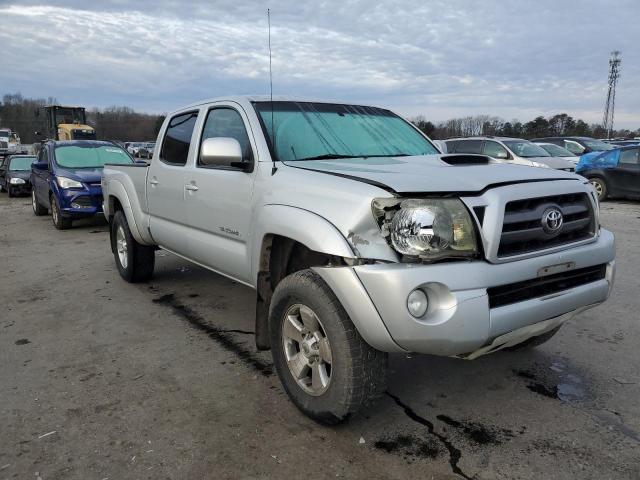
[[310, 229]]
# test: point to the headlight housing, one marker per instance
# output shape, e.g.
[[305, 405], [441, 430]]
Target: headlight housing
[[427, 229], [17, 181], [540, 165], [64, 182]]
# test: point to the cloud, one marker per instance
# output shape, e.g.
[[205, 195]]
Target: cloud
[[439, 58]]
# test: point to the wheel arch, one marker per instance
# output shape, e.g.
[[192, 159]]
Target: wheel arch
[[290, 239], [118, 199]]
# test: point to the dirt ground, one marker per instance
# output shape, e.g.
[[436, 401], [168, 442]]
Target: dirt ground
[[100, 379]]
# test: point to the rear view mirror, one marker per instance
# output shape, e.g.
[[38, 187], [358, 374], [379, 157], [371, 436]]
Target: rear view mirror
[[222, 152], [40, 165]]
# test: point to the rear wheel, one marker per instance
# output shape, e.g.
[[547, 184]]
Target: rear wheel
[[325, 366], [600, 186], [59, 221], [38, 209], [135, 262]]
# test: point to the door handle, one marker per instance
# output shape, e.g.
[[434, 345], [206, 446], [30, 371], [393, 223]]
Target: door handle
[[191, 187], [154, 182]]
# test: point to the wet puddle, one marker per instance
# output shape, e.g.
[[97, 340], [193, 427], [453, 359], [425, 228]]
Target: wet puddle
[[567, 386]]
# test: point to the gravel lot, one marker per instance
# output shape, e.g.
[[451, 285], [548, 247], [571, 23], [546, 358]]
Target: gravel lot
[[102, 379]]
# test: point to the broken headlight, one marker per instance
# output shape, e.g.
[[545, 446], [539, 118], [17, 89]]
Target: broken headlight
[[427, 229]]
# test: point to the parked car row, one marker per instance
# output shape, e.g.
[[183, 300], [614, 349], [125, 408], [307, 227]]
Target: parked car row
[[140, 149], [510, 150], [611, 167], [64, 178]]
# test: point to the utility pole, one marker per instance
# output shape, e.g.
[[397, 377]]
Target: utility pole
[[610, 105]]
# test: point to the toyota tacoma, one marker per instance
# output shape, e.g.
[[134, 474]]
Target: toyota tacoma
[[360, 238]]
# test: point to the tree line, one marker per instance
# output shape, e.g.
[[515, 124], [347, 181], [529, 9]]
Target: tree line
[[562, 125], [112, 123]]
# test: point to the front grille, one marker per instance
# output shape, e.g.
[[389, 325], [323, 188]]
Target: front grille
[[539, 287], [522, 229], [83, 201]]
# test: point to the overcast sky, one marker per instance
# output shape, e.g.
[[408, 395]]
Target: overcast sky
[[440, 58]]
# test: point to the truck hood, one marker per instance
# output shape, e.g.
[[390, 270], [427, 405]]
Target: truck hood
[[86, 175], [428, 173]]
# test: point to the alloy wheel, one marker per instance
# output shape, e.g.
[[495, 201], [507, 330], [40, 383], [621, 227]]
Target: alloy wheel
[[121, 247], [307, 349]]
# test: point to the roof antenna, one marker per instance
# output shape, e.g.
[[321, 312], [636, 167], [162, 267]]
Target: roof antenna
[[273, 126]]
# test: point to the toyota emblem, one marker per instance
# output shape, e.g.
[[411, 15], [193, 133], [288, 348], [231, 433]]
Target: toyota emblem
[[552, 221]]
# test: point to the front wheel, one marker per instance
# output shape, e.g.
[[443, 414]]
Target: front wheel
[[10, 191], [600, 186], [38, 209], [135, 262], [325, 366], [60, 222]]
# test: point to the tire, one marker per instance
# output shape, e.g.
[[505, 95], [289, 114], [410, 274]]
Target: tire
[[600, 186], [10, 191], [356, 373], [59, 221], [2, 189], [534, 341], [135, 262], [38, 209]]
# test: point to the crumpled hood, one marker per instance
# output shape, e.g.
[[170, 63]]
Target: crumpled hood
[[428, 173], [86, 175]]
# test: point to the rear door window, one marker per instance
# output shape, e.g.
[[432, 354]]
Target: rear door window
[[451, 146], [177, 139], [573, 147], [469, 146], [494, 149], [629, 156]]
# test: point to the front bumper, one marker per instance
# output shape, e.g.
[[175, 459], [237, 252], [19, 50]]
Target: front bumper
[[20, 188], [79, 203], [459, 320]]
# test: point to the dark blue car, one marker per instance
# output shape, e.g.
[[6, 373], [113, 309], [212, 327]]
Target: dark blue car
[[615, 173], [66, 179]]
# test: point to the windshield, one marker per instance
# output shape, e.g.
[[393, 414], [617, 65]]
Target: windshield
[[557, 150], [94, 156], [525, 149], [21, 163], [306, 131], [598, 146], [68, 115]]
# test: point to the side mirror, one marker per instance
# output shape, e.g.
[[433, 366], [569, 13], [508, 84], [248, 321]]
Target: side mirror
[[502, 155], [221, 152], [40, 165]]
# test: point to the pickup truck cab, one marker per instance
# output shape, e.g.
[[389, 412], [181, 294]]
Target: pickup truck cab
[[66, 179], [360, 238]]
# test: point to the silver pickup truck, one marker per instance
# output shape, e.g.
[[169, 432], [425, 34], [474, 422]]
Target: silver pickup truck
[[359, 238]]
